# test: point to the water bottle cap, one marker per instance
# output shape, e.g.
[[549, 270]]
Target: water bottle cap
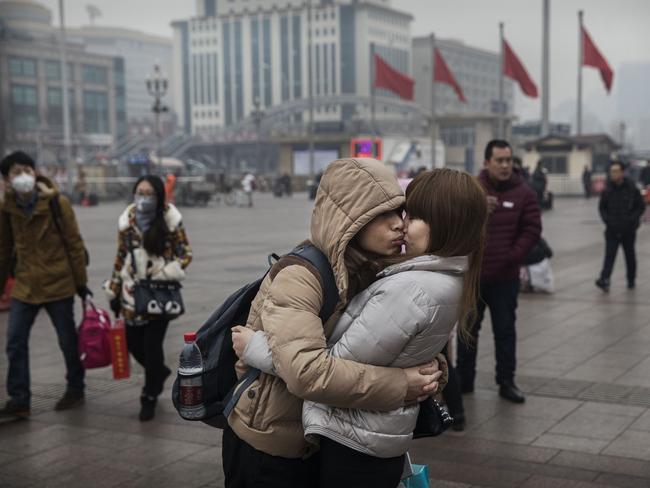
[[189, 336]]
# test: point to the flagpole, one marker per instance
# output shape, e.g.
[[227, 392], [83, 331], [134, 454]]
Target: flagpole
[[310, 79], [434, 127], [580, 59], [500, 130], [545, 67], [373, 74]]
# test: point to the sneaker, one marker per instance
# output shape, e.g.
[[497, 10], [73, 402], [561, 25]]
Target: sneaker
[[147, 408], [70, 399], [13, 409], [603, 284]]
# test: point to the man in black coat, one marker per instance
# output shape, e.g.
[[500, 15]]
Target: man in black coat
[[621, 207]]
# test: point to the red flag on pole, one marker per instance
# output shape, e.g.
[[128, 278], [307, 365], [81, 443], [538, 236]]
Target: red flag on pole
[[443, 74], [392, 80], [513, 68], [591, 56]]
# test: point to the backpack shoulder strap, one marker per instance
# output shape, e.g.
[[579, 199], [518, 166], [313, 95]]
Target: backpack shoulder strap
[[318, 260], [55, 208]]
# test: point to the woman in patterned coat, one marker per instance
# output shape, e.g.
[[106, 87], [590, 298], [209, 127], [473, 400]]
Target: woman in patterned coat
[[151, 233]]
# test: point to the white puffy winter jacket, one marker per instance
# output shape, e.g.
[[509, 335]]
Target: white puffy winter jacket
[[404, 319]]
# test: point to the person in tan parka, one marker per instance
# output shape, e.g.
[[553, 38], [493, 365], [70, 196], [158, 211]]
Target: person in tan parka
[[264, 445], [40, 237]]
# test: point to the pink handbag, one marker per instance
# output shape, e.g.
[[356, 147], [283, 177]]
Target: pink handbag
[[93, 337]]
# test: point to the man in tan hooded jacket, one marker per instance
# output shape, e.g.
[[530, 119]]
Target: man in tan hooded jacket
[[39, 236], [265, 445]]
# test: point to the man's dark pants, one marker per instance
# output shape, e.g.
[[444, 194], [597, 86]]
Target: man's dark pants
[[626, 239], [501, 298], [21, 320], [246, 467]]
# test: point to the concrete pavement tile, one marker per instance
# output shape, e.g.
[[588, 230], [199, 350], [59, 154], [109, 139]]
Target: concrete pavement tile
[[542, 407], [548, 373], [45, 439], [11, 481], [612, 409], [194, 432], [91, 475], [592, 425], [115, 440], [622, 481], [475, 475], [556, 361], [507, 428], [631, 444], [603, 464], [156, 455], [571, 443], [560, 472], [209, 455], [186, 474], [643, 422], [482, 446], [586, 372], [539, 481]]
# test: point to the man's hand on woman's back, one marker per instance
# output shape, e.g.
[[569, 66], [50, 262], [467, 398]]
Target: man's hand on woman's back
[[422, 381]]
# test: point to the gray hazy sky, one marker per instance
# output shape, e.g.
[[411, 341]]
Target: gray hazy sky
[[619, 28]]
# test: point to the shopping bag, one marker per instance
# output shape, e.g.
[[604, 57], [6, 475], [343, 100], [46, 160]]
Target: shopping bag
[[419, 478], [541, 276], [119, 352], [93, 341]]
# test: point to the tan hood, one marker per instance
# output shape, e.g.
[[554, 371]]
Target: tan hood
[[351, 193]]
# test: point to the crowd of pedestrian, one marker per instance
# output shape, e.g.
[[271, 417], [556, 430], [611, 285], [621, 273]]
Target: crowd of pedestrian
[[338, 397]]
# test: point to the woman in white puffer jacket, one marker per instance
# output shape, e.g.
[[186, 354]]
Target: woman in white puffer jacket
[[403, 319]]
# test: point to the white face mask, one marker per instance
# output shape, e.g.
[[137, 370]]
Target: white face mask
[[23, 183]]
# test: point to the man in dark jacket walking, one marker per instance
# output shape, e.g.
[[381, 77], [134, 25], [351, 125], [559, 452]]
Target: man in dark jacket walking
[[621, 207], [40, 238], [514, 227]]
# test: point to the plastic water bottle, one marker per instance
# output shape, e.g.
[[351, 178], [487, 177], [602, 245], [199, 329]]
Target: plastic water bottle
[[190, 370]]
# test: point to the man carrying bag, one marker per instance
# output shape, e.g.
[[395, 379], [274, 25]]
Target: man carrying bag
[[39, 237]]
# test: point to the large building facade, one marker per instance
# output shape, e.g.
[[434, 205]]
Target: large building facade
[[476, 70], [238, 56], [31, 98], [140, 52]]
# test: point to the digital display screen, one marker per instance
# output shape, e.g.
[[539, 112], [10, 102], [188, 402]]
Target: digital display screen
[[366, 148]]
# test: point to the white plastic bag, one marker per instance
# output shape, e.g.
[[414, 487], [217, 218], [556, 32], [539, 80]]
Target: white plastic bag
[[540, 276]]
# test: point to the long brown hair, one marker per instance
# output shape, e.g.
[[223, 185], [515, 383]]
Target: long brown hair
[[453, 204]]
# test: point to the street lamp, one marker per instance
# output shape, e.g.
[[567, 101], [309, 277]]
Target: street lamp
[[258, 115], [157, 88]]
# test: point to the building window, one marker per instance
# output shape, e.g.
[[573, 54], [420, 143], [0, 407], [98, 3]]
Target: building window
[[95, 112], [53, 71], [55, 108], [24, 67], [284, 46], [555, 164], [24, 107], [268, 84], [96, 75], [296, 52]]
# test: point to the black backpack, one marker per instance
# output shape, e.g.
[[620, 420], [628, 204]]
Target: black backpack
[[221, 388]]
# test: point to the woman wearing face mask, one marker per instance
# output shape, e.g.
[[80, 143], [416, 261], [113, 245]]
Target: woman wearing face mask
[[401, 320], [152, 233]]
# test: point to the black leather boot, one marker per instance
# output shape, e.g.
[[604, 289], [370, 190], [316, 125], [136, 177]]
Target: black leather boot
[[147, 407], [510, 392]]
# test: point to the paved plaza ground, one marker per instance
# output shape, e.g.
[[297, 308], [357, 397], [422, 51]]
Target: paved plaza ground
[[584, 362]]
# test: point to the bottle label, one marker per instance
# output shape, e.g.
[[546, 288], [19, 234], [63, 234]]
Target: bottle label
[[191, 391]]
